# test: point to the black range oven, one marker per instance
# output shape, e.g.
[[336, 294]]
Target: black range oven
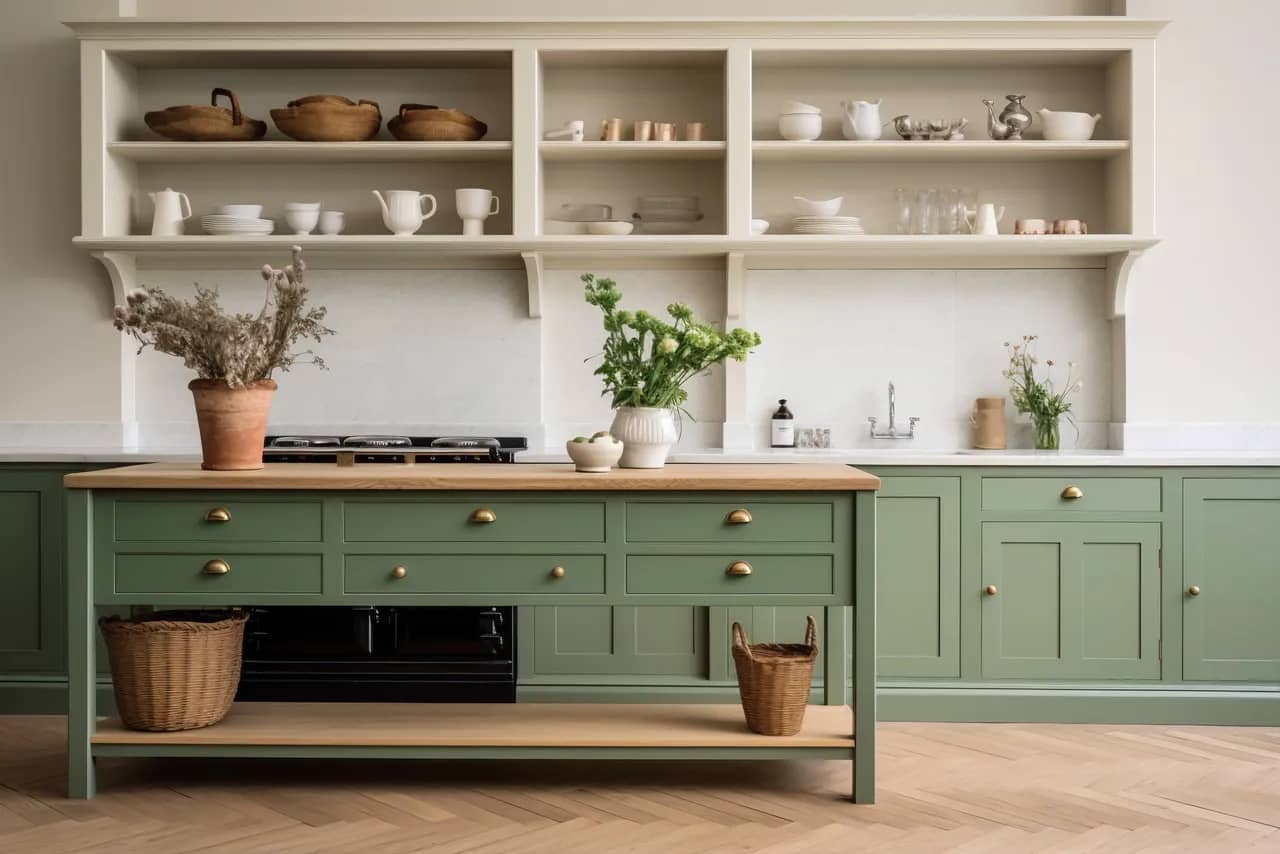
[[397, 653]]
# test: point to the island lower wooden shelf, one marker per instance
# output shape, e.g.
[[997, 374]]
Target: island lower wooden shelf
[[549, 728]]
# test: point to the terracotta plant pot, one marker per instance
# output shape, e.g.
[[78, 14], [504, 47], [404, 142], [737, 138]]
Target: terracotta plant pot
[[233, 423]]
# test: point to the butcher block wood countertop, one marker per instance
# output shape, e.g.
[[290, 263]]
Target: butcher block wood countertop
[[534, 477]]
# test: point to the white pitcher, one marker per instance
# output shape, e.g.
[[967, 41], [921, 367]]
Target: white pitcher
[[402, 211], [984, 219], [861, 119], [168, 219]]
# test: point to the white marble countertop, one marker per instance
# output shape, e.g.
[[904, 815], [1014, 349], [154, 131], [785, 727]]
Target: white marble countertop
[[854, 456]]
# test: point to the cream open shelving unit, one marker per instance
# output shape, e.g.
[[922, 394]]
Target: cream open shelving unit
[[524, 77]]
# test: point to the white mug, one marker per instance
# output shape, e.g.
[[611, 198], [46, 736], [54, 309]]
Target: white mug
[[474, 206], [332, 222]]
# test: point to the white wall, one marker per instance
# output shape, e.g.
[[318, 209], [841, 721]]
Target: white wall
[[1200, 344]]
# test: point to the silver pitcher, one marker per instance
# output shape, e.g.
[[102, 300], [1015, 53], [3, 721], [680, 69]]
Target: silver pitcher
[[1013, 120]]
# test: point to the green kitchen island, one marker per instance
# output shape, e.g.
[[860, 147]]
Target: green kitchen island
[[170, 534]]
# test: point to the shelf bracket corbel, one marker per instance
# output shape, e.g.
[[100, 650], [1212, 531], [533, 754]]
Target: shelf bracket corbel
[[1119, 271], [122, 269], [533, 270]]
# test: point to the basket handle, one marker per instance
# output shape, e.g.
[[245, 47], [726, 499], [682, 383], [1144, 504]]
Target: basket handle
[[237, 118], [740, 639], [811, 633]]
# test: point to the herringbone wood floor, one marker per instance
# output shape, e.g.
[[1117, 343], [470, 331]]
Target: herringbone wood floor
[[943, 787]]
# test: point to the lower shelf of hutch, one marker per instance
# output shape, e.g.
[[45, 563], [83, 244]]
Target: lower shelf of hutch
[[488, 730]]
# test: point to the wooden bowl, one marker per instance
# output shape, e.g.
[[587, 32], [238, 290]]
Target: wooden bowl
[[328, 118], [428, 123], [206, 124]]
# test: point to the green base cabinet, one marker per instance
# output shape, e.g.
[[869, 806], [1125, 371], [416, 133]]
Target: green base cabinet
[[31, 607], [600, 640], [1070, 600], [1231, 561]]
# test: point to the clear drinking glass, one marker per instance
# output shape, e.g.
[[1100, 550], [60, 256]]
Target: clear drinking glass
[[902, 209], [949, 218], [924, 214]]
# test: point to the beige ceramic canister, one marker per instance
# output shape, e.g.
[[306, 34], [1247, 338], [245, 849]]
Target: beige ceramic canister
[[987, 419]]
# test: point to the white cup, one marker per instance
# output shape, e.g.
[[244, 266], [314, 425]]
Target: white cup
[[332, 222], [302, 220], [474, 206]]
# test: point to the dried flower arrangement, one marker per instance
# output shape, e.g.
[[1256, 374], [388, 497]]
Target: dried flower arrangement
[[238, 349], [647, 361], [1039, 398]]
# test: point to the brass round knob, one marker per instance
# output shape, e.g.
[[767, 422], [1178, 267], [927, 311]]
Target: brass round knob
[[990, 590], [557, 572], [738, 568], [218, 514], [741, 516], [1071, 493], [216, 567], [1193, 590], [483, 516], [399, 571]]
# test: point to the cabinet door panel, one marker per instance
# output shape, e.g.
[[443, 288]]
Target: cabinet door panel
[[31, 604], [918, 576], [614, 641], [1072, 600], [1231, 538]]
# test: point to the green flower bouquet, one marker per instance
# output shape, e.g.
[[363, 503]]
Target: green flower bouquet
[[1040, 399]]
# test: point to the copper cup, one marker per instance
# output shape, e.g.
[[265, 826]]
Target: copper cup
[[1070, 226], [693, 131], [611, 130], [664, 132], [643, 130]]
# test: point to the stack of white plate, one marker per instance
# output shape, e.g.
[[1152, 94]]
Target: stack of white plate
[[238, 225], [848, 225]]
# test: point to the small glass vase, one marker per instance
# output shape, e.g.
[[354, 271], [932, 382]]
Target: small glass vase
[[1048, 433]]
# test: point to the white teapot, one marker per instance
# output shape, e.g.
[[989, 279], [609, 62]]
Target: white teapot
[[402, 210], [984, 219], [168, 218], [861, 119]]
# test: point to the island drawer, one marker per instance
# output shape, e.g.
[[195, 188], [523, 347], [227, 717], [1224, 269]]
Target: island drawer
[[730, 522], [161, 519], [218, 574], [475, 574], [1071, 494], [392, 521], [731, 574]]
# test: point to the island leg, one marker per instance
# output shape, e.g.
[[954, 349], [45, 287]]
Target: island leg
[[81, 671], [864, 649]]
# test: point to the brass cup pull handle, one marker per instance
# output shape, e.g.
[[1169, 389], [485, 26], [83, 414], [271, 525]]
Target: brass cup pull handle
[[990, 590], [218, 514], [557, 572], [741, 516], [1193, 590], [738, 568], [483, 516], [1071, 493], [216, 567], [399, 571]]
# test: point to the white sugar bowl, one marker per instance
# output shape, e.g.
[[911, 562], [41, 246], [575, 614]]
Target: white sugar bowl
[[800, 127]]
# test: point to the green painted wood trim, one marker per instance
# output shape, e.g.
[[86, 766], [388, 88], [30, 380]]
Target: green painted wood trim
[[863, 570], [82, 677], [250, 751], [595, 692], [1098, 706], [23, 694]]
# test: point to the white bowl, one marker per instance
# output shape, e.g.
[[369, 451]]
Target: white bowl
[[759, 226], [800, 127], [241, 211], [1064, 126], [613, 227], [818, 207], [302, 206], [799, 107], [302, 221], [598, 455]]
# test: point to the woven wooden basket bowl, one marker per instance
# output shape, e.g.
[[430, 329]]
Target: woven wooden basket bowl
[[198, 123], [774, 680], [427, 123], [174, 670], [328, 118]]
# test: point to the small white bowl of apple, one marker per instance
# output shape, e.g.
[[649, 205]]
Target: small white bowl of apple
[[600, 453]]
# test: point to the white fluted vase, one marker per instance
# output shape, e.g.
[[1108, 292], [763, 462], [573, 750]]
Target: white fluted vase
[[647, 434]]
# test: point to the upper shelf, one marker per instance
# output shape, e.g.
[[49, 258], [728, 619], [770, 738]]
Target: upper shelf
[[273, 151], [969, 150]]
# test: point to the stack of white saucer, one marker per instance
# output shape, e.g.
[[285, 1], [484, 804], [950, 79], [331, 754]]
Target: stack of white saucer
[[848, 225], [237, 220]]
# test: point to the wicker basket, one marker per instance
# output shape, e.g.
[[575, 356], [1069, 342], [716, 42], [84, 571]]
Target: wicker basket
[[174, 670], [774, 679]]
